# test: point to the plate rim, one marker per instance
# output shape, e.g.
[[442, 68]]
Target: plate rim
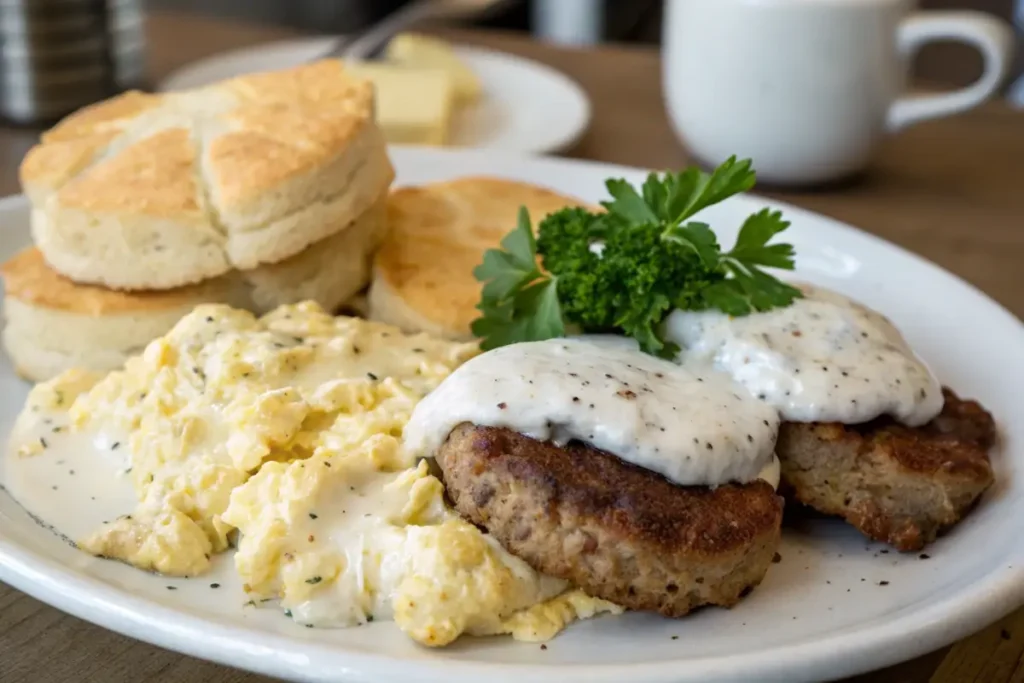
[[572, 87], [997, 591]]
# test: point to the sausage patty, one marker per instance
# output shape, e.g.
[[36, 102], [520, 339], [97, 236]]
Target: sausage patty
[[616, 531], [896, 484]]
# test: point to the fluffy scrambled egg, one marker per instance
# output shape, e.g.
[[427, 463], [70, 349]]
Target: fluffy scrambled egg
[[285, 431], [343, 540]]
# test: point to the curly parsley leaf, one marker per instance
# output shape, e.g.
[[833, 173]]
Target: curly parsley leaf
[[630, 287], [626, 269]]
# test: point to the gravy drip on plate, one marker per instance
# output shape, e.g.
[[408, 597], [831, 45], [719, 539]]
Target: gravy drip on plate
[[824, 358], [74, 483], [694, 426]]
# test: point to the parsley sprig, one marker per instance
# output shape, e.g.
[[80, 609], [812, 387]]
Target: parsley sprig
[[624, 270]]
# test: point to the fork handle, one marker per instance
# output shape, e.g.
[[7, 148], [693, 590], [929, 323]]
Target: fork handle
[[365, 43]]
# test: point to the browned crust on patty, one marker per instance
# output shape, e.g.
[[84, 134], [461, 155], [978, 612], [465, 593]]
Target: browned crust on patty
[[896, 484], [616, 531]]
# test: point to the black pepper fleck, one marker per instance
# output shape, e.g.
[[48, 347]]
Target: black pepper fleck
[[214, 585]]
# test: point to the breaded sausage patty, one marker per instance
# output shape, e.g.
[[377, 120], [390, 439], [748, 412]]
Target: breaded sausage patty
[[896, 484], [617, 531]]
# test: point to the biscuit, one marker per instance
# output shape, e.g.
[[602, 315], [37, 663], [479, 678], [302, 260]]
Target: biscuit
[[437, 234], [159, 191], [54, 324]]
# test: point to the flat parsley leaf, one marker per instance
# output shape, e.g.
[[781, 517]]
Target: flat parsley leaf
[[752, 243], [518, 301], [698, 237], [757, 289], [627, 204]]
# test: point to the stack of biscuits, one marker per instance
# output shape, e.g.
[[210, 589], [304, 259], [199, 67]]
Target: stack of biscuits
[[258, 191]]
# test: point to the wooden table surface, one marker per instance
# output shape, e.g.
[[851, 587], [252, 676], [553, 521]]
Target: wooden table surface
[[952, 191]]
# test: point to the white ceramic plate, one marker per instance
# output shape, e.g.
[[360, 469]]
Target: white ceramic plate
[[527, 107], [820, 613]]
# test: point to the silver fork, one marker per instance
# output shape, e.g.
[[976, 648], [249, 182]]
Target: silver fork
[[370, 42]]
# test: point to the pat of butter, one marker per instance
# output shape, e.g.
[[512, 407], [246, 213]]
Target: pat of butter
[[415, 50], [414, 106]]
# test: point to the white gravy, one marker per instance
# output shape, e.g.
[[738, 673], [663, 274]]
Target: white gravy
[[74, 483], [694, 426], [824, 358]]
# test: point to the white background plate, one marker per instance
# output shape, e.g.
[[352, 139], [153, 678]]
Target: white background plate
[[820, 613], [526, 106]]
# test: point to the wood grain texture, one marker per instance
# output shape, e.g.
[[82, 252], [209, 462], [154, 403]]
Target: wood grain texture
[[950, 190], [996, 654]]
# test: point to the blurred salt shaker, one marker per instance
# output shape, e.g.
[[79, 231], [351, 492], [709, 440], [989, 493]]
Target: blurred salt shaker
[[808, 88], [568, 22], [59, 55]]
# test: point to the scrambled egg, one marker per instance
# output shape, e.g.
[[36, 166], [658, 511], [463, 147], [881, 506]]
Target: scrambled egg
[[285, 433]]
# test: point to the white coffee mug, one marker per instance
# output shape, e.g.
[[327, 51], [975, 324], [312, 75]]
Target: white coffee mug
[[807, 88]]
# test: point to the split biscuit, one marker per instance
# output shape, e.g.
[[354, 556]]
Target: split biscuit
[[149, 192]]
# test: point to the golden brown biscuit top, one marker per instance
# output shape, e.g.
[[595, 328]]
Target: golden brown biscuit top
[[438, 233], [108, 116], [29, 279], [154, 175], [151, 154]]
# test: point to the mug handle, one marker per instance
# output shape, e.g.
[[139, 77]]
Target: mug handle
[[991, 36]]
